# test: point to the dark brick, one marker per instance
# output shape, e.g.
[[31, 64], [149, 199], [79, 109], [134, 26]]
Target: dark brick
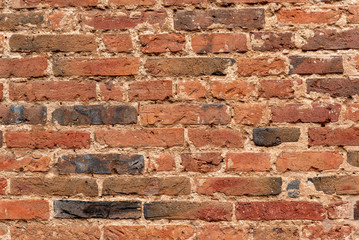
[[272, 41], [14, 21], [274, 136], [101, 164], [181, 210], [17, 114], [308, 65], [356, 211], [228, 18], [293, 188], [148, 186], [188, 66], [340, 185], [57, 186], [353, 158], [95, 115], [97, 209], [335, 87]]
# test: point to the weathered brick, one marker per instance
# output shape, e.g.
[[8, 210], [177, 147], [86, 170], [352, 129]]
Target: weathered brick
[[131, 2], [161, 43], [251, 18], [3, 185], [191, 90], [353, 16], [353, 158], [141, 137], [97, 209], [42, 232], [95, 115], [280, 210], [222, 232], [249, 114], [117, 42], [333, 137], [163, 162], [62, 20], [53, 3], [335, 87], [276, 233], [52, 43], [185, 210], [16, 114], [21, 20], [239, 186], [317, 113], [150, 90], [277, 88], [352, 112], [123, 19], [335, 232], [207, 114], [101, 164], [340, 185], [147, 186], [56, 186], [231, 90], [219, 43], [308, 161], [216, 138], [23, 67], [272, 41], [9, 162], [338, 210], [123, 232], [188, 66], [111, 92], [182, 2], [96, 67], [309, 65], [247, 161], [261, 66], [201, 162], [24, 209], [274, 136], [263, 1], [52, 91], [308, 15], [48, 139]]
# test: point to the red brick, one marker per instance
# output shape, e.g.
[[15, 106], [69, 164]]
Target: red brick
[[353, 14], [272, 41], [247, 161], [191, 90], [276, 232], [337, 184], [355, 61], [261, 66], [219, 43], [307, 15], [280, 210], [201, 162], [52, 91], [62, 20], [216, 137], [308, 65], [53, 3], [23, 67], [24, 209], [308, 161], [2, 43], [150, 90], [110, 91], [162, 162], [294, 113], [238, 186], [123, 19], [39, 231], [131, 2], [338, 210], [335, 87], [123, 232], [222, 232], [277, 88], [48, 139], [22, 20], [161, 43], [3, 185], [183, 2], [333, 136], [263, 1], [8, 162], [231, 90], [117, 42], [314, 232], [1, 91], [96, 67], [207, 114], [249, 114], [141, 138]]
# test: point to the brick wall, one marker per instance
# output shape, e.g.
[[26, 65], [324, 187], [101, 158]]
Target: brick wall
[[179, 119]]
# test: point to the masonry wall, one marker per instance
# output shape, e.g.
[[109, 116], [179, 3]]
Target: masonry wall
[[179, 119]]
